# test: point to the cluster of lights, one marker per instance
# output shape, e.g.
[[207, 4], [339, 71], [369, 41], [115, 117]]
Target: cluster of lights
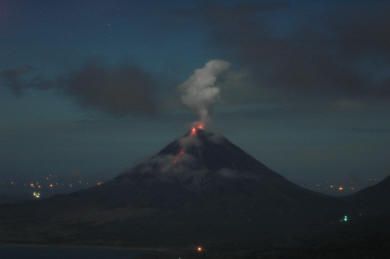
[[49, 185], [41, 185], [36, 195], [345, 219], [340, 188], [35, 185]]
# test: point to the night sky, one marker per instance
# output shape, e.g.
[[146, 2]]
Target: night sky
[[91, 86]]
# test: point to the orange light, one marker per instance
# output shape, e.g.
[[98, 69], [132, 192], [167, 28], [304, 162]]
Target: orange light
[[341, 188], [199, 125], [193, 131], [199, 249], [196, 126]]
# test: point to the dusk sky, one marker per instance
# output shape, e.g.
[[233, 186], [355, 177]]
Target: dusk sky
[[92, 86]]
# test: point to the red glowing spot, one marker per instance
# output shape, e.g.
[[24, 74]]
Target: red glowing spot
[[193, 132], [197, 126]]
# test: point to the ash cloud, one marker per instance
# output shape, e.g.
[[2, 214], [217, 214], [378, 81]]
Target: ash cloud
[[115, 89], [341, 50], [200, 90]]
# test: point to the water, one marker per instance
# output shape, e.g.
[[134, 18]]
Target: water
[[59, 252]]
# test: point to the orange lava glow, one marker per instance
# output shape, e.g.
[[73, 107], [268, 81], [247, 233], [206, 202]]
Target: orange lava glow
[[194, 130], [197, 126]]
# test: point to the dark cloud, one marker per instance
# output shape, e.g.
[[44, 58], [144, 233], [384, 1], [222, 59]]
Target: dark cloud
[[338, 50], [13, 78], [120, 89], [117, 89]]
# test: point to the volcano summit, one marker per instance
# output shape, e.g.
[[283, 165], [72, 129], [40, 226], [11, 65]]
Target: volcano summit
[[199, 188]]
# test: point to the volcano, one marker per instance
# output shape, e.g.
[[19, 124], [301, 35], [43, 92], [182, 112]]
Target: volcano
[[199, 188]]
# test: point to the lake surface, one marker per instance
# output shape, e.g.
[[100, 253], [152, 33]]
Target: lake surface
[[32, 252]]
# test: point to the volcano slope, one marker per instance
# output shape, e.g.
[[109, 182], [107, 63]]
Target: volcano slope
[[199, 188]]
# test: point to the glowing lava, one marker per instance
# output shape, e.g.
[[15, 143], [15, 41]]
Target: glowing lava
[[194, 130], [197, 126]]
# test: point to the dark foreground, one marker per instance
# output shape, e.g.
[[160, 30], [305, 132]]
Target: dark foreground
[[214, 195], [66, 252], [374, 248]]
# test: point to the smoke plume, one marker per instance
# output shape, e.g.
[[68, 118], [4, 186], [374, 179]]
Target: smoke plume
[[200, 90]]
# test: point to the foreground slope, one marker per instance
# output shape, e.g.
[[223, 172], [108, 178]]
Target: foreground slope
[[373, 200]]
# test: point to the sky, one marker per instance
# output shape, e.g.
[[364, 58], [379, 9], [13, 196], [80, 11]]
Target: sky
[[92, 86]]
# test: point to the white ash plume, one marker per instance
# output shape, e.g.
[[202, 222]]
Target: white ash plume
[[200, 90]]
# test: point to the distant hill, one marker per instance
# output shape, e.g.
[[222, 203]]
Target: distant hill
[[374, 200]]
